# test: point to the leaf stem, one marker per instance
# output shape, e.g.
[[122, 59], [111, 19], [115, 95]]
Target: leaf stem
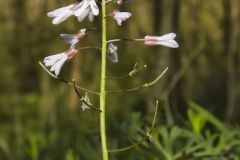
[[66, 82], [148, 135], [132, 73], [82, 99], [124, 39], [145, 85]]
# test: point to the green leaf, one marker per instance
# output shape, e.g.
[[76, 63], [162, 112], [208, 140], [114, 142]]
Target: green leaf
[[209, 117]]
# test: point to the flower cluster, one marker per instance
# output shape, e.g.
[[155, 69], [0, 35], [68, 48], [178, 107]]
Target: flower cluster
[[81, 10], [89, 8]]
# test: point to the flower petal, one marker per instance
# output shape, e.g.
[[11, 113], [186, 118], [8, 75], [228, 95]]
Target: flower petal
[[119, 21], [58, 65], [59, 11], [168, 36], [94, 7], [84, 14], [113, 57], [50, 60], [59, 19], [81, 8], [112, 53], [168, 43], [69, 38], [91, 17], [121, 16]]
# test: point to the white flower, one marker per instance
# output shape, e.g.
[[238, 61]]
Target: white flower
[[165, 40], [86, 100], [112, 53], [73, 39], [80, 10], [56, 61], [63, 13], [120, 16], [86, 8]]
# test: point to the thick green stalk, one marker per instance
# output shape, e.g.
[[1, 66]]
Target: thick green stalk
[[103, 84]]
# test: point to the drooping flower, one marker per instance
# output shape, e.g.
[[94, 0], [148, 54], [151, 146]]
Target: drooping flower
[[56, 61], [112, 53], [73, 39], [165, 40], [61, 14], [86, 99], [120, 16], [86, 8]]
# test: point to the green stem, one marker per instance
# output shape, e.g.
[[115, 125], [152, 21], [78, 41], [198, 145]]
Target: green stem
[[103, 83]]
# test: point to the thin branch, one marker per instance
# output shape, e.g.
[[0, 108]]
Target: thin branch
[[66, 82], [124, 39], [82, 99], [148, 135], [132, 73], [142, 86]]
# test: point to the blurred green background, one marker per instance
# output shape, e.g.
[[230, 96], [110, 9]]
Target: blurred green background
[[41, 118]]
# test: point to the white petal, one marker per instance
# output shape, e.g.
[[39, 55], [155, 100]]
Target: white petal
[[84, 14], [50, 60], [59, 11], [113, 47], [94, 7], [112, 53], [58, 65], [167, 36], [121, 16], [74, 42], [91, 17], [119, 21], [81, 8], [113, 57], [169, 43], [69, 38], [59, 19]]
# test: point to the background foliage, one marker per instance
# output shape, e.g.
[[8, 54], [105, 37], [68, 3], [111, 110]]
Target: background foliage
[[40, 118]]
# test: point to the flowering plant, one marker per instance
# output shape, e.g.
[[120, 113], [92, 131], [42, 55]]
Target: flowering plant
[[89, 8]]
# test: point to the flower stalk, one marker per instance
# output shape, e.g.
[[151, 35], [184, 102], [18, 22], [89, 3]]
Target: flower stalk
[[103, 84]]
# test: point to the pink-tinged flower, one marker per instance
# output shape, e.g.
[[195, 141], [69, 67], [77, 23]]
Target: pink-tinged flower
[[86, 8], [86, 99], [120, 16], [112, 53], [73, 39], [63, 13], [165, 40], [56, 61]]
